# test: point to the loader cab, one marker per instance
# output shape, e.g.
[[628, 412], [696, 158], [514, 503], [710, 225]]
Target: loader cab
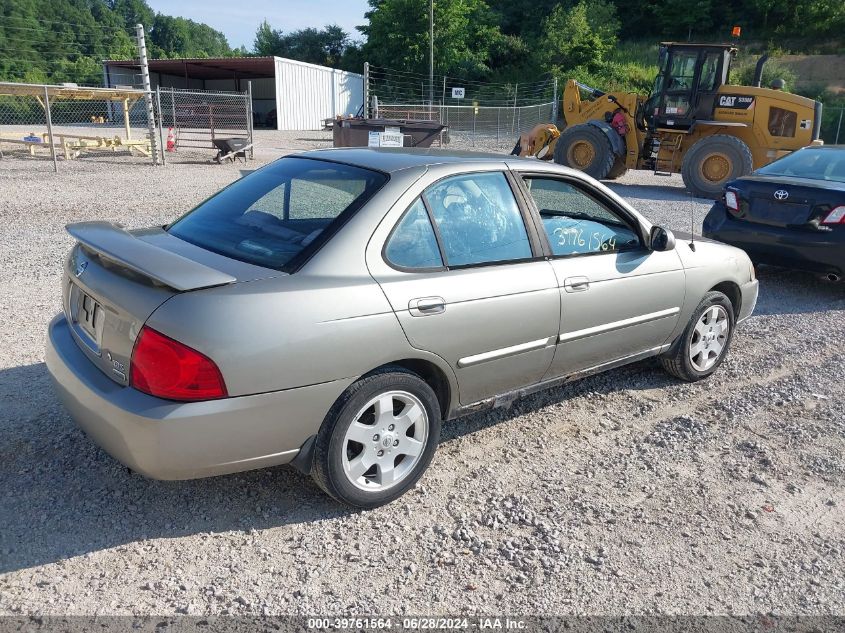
[[689, 76]]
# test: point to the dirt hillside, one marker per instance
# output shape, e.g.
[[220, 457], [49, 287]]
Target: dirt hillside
[[814, 70]]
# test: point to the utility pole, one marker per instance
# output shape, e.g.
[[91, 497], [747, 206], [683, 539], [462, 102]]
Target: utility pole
[[148, 93], [430, 53]]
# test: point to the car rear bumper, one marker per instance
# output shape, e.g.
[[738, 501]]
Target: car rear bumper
[[171, 440], [819, 252]]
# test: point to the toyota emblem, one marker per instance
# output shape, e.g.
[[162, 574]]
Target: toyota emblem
[[781, 194]]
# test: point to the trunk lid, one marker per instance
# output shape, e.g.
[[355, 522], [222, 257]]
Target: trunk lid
[[782, 202], [115, 279]]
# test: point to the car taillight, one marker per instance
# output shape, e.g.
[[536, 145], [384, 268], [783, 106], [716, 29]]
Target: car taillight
[[168, 369], [837, 216], [731, 200]]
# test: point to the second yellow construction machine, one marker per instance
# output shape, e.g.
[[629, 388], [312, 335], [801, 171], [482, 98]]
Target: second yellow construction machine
[[694, 122]]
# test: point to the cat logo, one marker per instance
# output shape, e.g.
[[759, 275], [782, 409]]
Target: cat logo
[[736, 102]]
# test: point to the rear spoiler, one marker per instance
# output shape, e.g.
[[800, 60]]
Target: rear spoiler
[[118, 245]]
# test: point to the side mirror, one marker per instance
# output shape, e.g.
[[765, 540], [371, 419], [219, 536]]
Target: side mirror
[[662, 239]]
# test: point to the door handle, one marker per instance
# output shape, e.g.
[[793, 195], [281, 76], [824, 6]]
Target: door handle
[[426, 306], [576, 284]]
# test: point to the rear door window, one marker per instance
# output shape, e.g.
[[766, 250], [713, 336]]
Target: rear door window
[[277, 215], [478, 220], [413, 245]]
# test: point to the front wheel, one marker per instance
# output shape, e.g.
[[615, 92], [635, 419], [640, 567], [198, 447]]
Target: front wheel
[[585, 147], [618, 170], [705, 342], [378, 439]]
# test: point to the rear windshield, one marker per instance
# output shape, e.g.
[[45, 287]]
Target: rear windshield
[[817, 164], [276, 216]]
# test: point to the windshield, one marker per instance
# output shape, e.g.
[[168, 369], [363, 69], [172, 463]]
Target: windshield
[[817, 164], [279, 214]]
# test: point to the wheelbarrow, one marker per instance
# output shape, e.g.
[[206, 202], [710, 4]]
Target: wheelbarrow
[[231, 149]]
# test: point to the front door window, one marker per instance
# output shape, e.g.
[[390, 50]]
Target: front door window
[[575, 223]]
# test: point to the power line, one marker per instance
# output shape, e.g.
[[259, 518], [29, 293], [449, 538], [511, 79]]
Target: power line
[[93, 25], [52, 41], [33, 49]]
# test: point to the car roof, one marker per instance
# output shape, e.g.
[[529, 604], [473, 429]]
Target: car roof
[[824, 147], [395, 159]]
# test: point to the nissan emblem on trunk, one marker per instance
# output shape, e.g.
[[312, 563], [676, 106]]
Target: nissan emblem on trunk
[[781, 194]]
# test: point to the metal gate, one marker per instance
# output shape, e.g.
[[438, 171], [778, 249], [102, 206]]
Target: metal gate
[[191, 122]]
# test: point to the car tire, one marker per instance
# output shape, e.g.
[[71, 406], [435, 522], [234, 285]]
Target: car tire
[[396, 416], [714, 161], [705, 341], [585, 147]]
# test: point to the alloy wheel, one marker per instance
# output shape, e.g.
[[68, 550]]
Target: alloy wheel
[[709, 338], [385, 441]]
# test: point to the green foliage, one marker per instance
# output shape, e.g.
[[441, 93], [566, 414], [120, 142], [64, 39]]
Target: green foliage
[[54, 41], [490, 40], [742, 73], [466, 37], [179, 37], [580, 36], [327, 46], [683, 19]]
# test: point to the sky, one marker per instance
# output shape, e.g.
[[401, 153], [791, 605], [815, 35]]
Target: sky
[[239, 20]]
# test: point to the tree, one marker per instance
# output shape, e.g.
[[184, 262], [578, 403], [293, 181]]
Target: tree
[[267, 41], [326, 46], [681, 18], [179, 37], [132, 12], [579, 36], [465, 33], [66, 40]]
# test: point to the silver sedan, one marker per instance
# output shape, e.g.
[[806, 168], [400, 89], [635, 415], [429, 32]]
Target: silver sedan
[[332, 308]]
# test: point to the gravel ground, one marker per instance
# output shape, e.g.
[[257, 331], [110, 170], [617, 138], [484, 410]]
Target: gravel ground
[[623, 493]]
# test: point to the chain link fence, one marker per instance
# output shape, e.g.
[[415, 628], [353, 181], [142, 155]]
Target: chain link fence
[[833, 125], [489, 128], [198, 124], [45, 127], [479, 115], [51, 125]]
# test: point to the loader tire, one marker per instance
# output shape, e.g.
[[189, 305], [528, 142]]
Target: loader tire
[[618, 170], [713, 162], [586, 148]]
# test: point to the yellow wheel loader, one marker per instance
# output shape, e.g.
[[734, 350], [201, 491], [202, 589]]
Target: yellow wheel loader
[[694, 122]]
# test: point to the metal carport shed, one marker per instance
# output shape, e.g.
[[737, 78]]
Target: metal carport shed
[[286, 94]]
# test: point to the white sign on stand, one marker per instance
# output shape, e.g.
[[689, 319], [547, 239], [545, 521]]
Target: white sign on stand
[[391, 139]]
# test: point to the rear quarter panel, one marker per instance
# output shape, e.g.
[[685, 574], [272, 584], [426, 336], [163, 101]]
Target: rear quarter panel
[[284, 333]]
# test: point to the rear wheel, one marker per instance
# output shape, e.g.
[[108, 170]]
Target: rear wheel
[[586, 148], [705, 342], [378, 439], [713, 162]]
